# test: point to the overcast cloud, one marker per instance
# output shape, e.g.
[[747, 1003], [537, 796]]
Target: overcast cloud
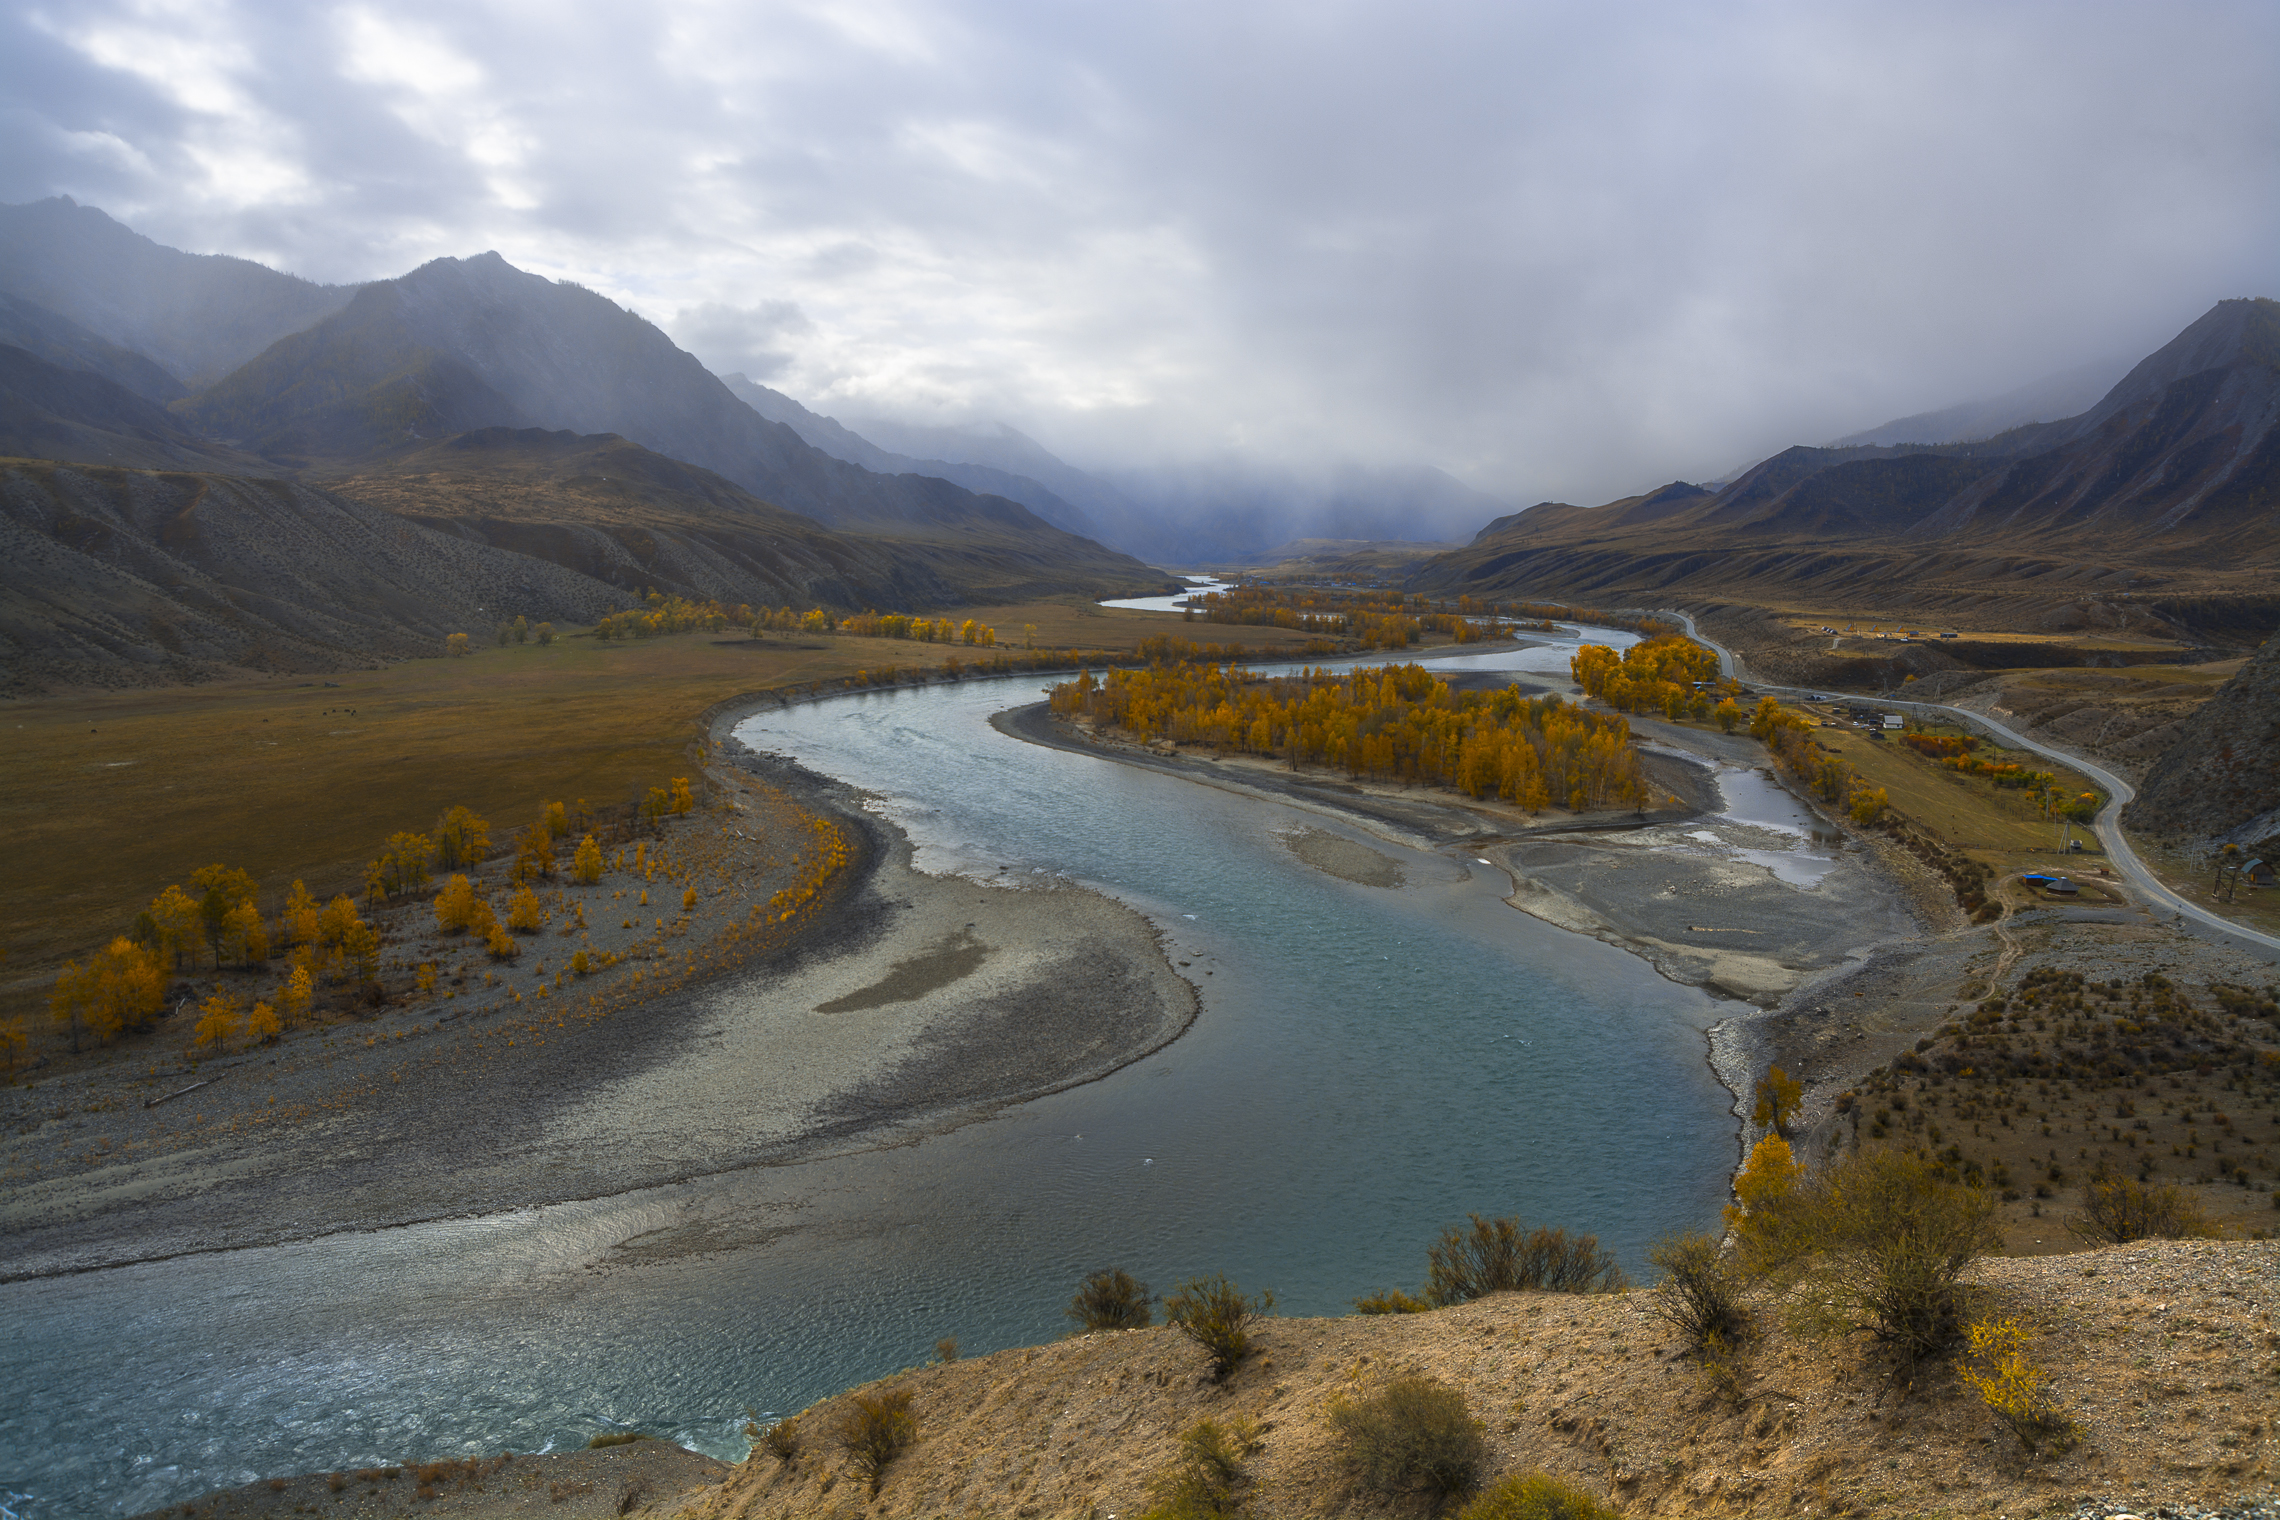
[[1560, 250]]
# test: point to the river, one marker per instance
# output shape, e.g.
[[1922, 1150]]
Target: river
[[1369, 1066]]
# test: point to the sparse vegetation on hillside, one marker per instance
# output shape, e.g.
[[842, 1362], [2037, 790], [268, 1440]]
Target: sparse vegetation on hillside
[[1110, 1299], [1414, 1435], [1218, 1316], [1502, 1256]]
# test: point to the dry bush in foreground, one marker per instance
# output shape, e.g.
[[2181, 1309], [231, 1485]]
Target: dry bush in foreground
[[1215, 1314], [2118, 1210], [1412, 1435], [1700, 1295], [876, 1430], [783, 1440], [1209, 1479], [1536, 1496], [1495, 1256], [1877, 1242], [1110, 1299]]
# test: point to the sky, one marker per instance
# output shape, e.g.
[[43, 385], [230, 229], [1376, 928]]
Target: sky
[[1563, 251]]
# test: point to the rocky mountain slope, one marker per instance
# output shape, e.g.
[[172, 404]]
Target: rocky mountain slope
[[114, 577], [2171, 483], [50, 412], [198, 316], [2220, 782], [633, 519], [843, 443], [460, 344]]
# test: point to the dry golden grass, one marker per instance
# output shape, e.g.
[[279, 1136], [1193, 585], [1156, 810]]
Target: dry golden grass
[[117, 794], [1967, 812]]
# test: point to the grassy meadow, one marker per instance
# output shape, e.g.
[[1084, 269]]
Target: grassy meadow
[[117, 794]]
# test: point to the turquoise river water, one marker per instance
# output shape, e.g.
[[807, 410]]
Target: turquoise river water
[[1369, 1066]]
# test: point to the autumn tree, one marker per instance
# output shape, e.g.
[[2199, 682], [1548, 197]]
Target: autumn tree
[[175, 915], [1728, 714], [556, 818], [455, 905], [298, 993], [456, 646], [461, 840], [522, 630], [402, 865], [1869, 806], [534, 853], [586, 864], [524, 915], [124, 984], [261, 1024], [1778, 1095], [1770, 1173], [360, 949], [300, 916], [217, 1020], [683, 800], [339, 916], [245, 940]]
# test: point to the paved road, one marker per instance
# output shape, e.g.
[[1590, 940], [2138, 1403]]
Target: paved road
[[2108, 825]]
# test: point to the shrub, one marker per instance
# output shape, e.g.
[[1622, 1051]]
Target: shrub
[[1536, 1496], [1110, 1299], [1391, 1301], [2117, 1210], [1700, 1295], [615, 1438], [1496, 1256], [783, 1440], [1412, 1435], [946, 1349], [1882, 1238], [1215, 1314], [2013, 1389], [877, 1428], [1208, 1481]]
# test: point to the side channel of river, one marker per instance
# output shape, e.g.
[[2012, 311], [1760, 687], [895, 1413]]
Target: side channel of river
[[1370, 1065]]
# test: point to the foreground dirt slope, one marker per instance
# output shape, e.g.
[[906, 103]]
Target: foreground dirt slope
[[2166, 1353]]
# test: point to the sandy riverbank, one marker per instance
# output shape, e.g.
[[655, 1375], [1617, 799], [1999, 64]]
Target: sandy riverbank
[[903, 1005]]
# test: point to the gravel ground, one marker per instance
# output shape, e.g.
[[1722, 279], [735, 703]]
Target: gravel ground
[[706, 1049]]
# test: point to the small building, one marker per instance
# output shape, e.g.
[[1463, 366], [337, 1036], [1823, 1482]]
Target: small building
[[2051, 886], [2257, 873], [1894, 720]]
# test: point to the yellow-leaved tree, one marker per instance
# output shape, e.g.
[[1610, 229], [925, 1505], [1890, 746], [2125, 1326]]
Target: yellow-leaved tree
[[217, 1020], [261, 1024], [124, 984], [339, 916], [360, 948], [300, 990], [586, 865], [456, 645], [461, 840], [180, 927], [455, 905], [683, 800], [402, 865], [524, 915], [245, 939], [300, 916], [1770, 1173], [557, 820], [1777, 1097]]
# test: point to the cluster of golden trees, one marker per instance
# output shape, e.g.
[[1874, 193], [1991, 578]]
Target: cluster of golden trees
[[664, 614], [123, 986], [1398, 721], [1659, 674]]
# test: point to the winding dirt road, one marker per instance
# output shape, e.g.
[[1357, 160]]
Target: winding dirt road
[[2108, 825]]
